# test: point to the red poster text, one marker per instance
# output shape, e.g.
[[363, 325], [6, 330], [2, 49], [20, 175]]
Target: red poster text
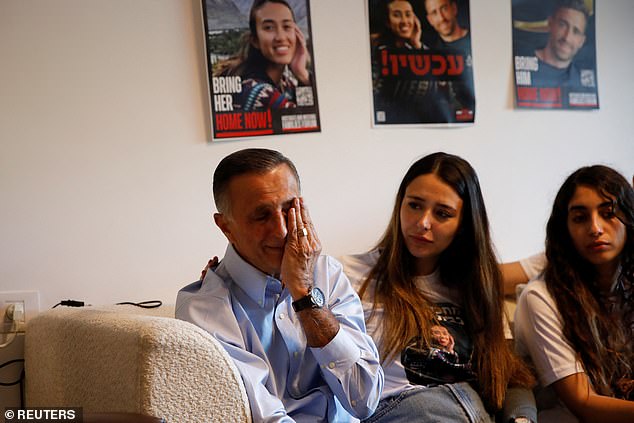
[[421, 64], [539, 97]]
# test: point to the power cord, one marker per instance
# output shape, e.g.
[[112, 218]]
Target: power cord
[[16, 315], [20, 381], [70, 303], [13, 331], [142, 304]]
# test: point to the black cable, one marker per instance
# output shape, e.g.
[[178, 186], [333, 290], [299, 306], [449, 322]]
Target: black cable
[[19, 381], [22, 379], [144, 304], [70, 303], [18, 360]]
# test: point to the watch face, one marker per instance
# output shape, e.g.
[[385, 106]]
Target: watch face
[[318, 297]]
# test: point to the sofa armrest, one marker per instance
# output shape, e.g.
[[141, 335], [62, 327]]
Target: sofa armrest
[[123, 360]]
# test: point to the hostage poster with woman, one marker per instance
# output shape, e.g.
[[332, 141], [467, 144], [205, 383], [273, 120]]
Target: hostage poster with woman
[[422, 67], [261, 68]]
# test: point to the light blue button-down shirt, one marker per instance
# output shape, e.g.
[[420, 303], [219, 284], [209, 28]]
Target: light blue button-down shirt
[[251, 315]]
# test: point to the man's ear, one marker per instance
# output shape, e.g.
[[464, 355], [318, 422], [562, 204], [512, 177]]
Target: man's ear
[[223, 223]]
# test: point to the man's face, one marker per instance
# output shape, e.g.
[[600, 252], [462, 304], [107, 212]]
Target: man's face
[[441, 15], [567, 29], [256, 224]]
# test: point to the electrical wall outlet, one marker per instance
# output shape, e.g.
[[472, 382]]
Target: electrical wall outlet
[[15, 312], [21, 305]]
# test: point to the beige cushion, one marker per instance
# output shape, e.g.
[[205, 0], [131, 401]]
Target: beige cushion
[[127, 359]]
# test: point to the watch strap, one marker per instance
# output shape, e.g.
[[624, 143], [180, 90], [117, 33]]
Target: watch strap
[[305, 302]]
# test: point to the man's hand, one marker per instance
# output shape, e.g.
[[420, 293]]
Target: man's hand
[[210, 265], [298, 265], [301, 251]]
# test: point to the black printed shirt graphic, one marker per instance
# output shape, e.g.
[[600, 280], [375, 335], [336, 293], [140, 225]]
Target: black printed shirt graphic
[[448, 358]]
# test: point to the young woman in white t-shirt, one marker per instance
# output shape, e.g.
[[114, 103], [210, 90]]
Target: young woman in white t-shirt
[[576, 322], [433, 298]]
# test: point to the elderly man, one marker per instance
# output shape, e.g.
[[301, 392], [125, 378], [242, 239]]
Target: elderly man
[[286, 315]]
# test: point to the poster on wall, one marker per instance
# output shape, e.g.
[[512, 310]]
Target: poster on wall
[[422, 67], [261, 67], [555, 54]]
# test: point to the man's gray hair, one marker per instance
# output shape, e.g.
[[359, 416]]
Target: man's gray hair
[[250, 160]]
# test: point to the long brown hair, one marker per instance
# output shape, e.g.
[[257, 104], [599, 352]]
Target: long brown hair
[[385, 34], [602, 340], [469, 265]]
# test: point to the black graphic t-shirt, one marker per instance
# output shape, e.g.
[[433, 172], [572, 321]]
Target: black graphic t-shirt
[[435, 365], [448, 358]]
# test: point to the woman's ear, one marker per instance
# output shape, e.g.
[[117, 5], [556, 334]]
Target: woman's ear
[[253, 40]]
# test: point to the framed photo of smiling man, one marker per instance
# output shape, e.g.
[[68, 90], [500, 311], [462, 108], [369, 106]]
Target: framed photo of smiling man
[[554, 53], [261, 67]]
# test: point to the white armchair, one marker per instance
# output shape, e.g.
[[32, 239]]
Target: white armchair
[[128, 359]]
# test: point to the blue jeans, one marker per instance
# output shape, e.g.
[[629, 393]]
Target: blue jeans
[[454, 403]]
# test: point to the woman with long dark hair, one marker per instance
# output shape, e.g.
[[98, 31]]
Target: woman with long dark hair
[[433, 299], [273, 59], [576, 322], [400, 27]]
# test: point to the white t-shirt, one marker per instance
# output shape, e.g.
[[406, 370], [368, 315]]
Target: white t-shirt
[[539, 337], [534, 265]]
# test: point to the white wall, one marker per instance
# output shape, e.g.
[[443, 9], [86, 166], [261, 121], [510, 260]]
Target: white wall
[[105, 168]]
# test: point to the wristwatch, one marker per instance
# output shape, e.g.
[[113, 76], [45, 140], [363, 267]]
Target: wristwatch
[[314, 299]]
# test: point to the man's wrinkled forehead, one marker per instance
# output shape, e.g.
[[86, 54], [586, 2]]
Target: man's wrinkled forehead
[[265, 186]]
